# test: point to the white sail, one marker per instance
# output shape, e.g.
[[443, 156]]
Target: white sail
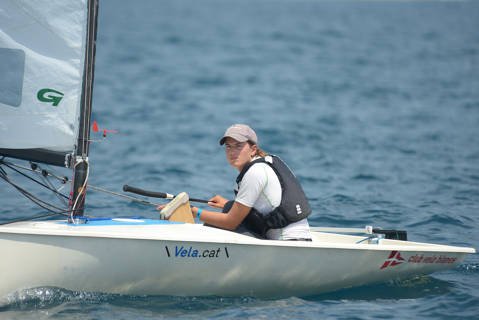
[[42, 53]]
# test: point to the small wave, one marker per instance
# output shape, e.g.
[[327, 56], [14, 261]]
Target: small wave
[[342, 198], [469, 268], [413, 288], [48, 297], [442, 220], [471, 105], [63, 300], [210, 82], [406, 151], [366, 177], [173, 40], [332, 33]]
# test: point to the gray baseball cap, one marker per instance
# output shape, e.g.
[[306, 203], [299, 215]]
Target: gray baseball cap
[[241, 133]]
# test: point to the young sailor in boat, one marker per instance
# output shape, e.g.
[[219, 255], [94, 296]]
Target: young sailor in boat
[[269, 203]]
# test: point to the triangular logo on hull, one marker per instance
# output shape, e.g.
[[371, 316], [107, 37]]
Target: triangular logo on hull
[[393, 260]]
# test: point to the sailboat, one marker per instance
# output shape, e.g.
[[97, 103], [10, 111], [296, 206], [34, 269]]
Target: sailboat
[[47, 68]]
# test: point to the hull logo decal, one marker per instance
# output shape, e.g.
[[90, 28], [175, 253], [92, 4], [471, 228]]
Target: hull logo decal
[[192, 252], [394, 259]]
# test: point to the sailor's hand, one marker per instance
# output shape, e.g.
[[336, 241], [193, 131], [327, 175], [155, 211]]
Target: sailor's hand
[[194, 211], [160, 207], [217, 202]]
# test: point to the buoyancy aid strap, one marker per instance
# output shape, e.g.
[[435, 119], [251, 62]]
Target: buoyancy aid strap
[[256, 221], [246, 168], [276, 219]]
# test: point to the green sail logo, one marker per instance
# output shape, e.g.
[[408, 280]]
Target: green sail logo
[[50, 96]]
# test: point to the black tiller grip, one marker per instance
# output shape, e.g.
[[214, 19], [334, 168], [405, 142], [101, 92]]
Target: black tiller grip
[[142, 192]]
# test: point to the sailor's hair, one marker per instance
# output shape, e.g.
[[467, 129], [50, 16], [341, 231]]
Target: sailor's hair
[[259, 152]]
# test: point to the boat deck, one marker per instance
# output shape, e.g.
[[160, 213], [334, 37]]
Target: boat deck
[[150, 229]]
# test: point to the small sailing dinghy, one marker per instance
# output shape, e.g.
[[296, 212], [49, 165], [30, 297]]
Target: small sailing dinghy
[[45, 104]]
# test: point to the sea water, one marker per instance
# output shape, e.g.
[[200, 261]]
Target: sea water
[[373, 104]]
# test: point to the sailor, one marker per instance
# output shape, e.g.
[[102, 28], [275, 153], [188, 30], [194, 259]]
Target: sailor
[[269, 201]]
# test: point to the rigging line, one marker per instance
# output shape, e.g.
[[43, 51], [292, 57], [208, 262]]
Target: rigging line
[[40, 183], [83, 188], [61, 179], [49, 173], [57, 194], [39, 172], [33, 199], [30, 196], [122, 195], [36, 201], [43, 174]]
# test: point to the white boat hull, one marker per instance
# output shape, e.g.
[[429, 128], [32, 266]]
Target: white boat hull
[[193, 260]]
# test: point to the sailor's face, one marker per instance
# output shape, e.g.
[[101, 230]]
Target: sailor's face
[[239, 153]]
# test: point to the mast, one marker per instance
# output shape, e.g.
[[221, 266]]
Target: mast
[[81, 166]]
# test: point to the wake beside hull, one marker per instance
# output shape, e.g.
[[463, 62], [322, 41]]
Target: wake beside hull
[[164, 259]]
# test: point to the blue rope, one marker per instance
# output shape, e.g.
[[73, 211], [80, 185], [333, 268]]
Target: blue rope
[[370, 237]]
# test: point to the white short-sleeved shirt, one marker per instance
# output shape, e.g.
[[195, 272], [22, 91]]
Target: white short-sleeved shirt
[[260, 189]]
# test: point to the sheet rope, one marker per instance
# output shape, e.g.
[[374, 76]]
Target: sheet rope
[[45, 174]]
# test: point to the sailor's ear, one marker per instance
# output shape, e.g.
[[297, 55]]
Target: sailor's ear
[[254, 149]]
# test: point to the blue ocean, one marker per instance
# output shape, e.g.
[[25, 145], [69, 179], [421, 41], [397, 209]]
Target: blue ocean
[[373, 104]]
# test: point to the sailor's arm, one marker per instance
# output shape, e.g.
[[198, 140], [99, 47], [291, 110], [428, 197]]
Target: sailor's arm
[[229, 221], [217, 202]]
